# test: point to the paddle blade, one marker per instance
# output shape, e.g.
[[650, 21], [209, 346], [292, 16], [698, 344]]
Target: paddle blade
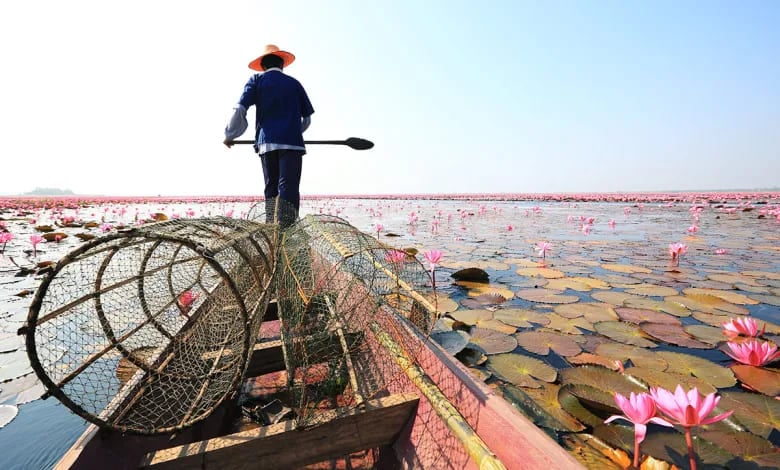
[[359, 144]]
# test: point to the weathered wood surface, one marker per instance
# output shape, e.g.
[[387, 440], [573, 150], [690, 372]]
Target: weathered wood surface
[[282, 445]]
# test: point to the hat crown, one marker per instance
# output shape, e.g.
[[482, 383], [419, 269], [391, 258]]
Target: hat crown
[[270, 49]]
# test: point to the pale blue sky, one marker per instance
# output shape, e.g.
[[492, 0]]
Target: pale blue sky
[[131, 98]]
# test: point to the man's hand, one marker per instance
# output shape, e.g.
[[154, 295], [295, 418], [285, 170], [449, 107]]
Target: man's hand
[[228, 143]]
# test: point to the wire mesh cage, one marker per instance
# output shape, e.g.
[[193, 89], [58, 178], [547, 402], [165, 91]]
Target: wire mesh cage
[[148, 330], [339, 292]]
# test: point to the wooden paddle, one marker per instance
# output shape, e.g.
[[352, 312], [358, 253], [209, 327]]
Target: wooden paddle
[[353, 142]]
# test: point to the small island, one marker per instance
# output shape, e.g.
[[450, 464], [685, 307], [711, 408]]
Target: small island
[[49, 192]]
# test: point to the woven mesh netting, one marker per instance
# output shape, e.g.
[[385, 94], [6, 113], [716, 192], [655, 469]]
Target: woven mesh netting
[[338, 291], [148, 330]]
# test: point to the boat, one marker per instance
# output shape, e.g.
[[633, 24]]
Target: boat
[[400, 400]]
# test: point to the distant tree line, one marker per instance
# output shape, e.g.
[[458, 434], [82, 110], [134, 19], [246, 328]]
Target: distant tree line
[[49, 192]]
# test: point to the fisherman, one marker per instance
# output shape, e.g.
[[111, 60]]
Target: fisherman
[[282, 113]]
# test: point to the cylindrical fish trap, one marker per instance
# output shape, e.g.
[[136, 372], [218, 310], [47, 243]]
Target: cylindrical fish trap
[[148, 330], [336, 287]]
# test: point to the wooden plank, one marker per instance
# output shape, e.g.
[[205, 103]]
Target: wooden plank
[[283, 445]]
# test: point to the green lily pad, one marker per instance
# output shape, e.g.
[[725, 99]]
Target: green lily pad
[[640, 357], [624, 333], [569, 326], [521, 318], [706, 334], [600, 378], [591, 311], [471, 274], [521, 370], [743, 444], [760, 414], [669, 380], [471, 317], [452, 341], [491, 341], [541, 342], [572, 404], [671, 447], [687, 364], [546, 296], [543, 403]]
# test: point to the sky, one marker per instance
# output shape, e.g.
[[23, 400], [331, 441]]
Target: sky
[[131, 98]]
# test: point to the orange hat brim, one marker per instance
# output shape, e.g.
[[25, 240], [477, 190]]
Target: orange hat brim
[[287, 59]]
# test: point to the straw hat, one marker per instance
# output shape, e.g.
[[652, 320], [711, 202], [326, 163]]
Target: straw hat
[[286, 57]]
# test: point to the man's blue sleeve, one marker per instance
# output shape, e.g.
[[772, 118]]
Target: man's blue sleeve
[[249, 94], [306, 108]]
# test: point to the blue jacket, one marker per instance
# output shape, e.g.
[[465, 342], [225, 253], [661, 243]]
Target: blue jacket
[[280, 102]]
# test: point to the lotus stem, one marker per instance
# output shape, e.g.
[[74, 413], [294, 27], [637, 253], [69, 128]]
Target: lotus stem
[[636, 451], [691, 455]]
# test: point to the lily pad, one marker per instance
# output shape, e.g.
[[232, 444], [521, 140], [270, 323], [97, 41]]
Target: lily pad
[[476, 289], [673, 334], [763, 380], [639, 315], [585, 358], [611, 297], [743, 444], [671, 448], [653, 291], [687, 364], [541, 342], [659, 305], [521, 370], [22, 390], [760, 414], [727, 296], [625, 268], [571, 403], [546, 296], [521, 318], [472, 357], [600, 378], [624, 333], [546, 273], [669, 380], [7, 414], [569, 326], [546, 398], [491, 341], [471, 317], [591, 311], [640, 357], [443, 304], [706, 334], [452, 341]]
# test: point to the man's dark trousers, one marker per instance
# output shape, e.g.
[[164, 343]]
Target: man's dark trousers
[[282, 172]]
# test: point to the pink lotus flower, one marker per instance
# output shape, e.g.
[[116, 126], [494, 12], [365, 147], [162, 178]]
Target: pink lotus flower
[[433, 257], [753, 353], [510, 227], [35, 239], [5, 237], [741, 326], [106, 227], [693, 229], [676, 250], [395, 256], [611, 223], [379, 227], [721, 251], [543, 248], [639, 409], [688, 410]]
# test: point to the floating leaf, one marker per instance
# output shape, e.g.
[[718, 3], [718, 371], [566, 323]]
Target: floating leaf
[[706, 334], [44, 228], [564, 283], [471, 317], [471, 274], [7, 414], [744, 444], [686, 364], [546, 273], [671, 447], [91, 224], [85, 236], [452, 341], [443, 304], [766, 299], [496, 325], [639, 315], [521, 318], [639, 356], [542, 405], [521, 370], [727, 296], [478, 288], [593, 359], [766, 381], [711, 319], [541, 342], [611, 297], [570, 326], [591, 311], [625, 268], [159, 217], [14, 365], [653, 291], [600, 378], [759, 413], [546, 296], [589, 456], [480, 374], [624, 333], [659, 305], [22, 390], [733, 278], [669, 380], [491, 341], [673, 334]]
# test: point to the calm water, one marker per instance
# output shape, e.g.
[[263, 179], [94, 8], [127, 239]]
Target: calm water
[[469, 233]]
